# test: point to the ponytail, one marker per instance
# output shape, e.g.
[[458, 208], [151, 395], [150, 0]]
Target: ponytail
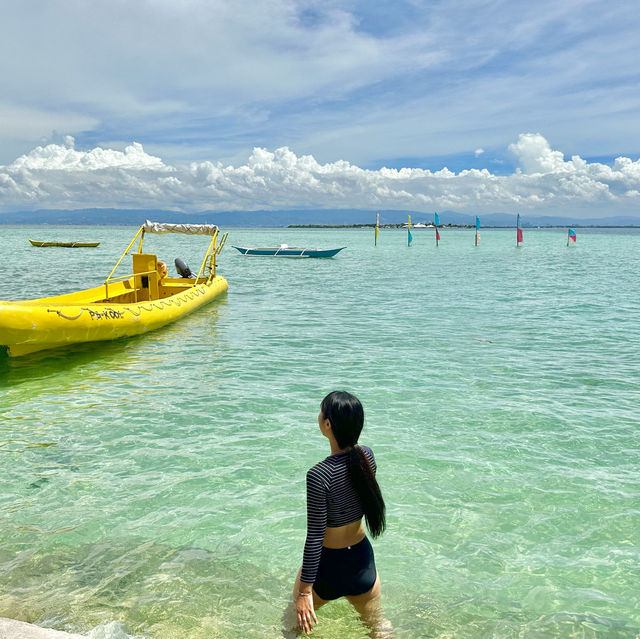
[[366, 486], [346, 415]]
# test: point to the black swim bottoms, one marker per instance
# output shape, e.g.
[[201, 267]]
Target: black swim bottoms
[[345, 571]]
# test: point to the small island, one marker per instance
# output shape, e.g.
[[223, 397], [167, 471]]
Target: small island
[[403, 225]]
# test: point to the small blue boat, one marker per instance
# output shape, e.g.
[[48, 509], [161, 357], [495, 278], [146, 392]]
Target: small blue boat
[[284, 250]]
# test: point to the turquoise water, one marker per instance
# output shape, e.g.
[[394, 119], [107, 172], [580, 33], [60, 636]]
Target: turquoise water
[[158, 482]]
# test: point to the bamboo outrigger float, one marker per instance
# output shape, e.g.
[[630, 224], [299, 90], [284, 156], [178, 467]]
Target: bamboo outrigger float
[[123, 306]]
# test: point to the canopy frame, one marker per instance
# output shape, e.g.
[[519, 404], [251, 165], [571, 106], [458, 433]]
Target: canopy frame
[[209, 261]]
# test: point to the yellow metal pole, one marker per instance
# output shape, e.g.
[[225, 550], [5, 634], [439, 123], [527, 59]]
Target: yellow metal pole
[[113, 270], [212, 259], [141, 239], [207, 254], [216, 251]]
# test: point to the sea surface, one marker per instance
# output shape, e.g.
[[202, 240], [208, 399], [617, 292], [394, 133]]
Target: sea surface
[[154, 487]]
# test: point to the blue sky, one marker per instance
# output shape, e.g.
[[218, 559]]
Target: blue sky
[[409, 84]]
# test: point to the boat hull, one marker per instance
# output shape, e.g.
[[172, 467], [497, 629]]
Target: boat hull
[[64, 244], [287, 252], [34, 325]]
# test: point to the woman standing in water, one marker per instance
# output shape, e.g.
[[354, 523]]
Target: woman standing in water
[[338, 559]]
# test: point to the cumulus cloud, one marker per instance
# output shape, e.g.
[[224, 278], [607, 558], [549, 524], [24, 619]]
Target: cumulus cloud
[[56, 157], [59, 176]]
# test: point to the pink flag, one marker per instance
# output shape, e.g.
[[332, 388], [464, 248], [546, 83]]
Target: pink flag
[[518, 231]]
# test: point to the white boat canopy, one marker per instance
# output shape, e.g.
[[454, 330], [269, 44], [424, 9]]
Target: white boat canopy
[[186, 229]]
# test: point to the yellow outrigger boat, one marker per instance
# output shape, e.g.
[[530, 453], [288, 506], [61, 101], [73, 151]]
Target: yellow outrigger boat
[[121, 307], [64, 244]]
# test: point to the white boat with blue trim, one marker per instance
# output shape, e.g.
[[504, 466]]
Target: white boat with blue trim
[[284, 250]]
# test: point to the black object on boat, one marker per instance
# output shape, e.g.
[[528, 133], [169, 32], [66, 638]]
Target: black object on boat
[[183, 268]]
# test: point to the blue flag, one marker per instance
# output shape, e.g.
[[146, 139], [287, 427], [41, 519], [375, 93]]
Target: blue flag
[[437, 220]]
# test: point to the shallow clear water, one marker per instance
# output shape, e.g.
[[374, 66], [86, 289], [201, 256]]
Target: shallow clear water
[[159, 481]]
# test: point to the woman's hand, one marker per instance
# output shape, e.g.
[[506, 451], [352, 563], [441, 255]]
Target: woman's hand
[[306, 613]]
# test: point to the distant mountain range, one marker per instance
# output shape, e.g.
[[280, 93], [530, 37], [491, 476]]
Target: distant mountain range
[[329, 217]]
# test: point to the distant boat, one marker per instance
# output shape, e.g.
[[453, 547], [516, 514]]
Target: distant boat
[[284, 250], [64, 244]]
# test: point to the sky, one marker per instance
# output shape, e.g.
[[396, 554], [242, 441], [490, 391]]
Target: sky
[[466, 105]]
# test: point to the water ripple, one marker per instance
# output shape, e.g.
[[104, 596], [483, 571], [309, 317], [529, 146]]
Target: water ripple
[[158, 482]]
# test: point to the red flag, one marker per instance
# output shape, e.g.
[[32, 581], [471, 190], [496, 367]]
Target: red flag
[[519, 238], [437, 234]]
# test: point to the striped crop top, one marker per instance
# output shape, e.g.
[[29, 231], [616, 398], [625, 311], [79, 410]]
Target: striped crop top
[[331, 501]]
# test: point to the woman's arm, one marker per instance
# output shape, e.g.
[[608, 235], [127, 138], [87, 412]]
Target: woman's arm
[[316, 527]]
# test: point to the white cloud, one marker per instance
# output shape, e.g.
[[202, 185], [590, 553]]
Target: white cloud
[[157, 65], [56, 157], [202, 77], [478, 152], [59, 176], [22, 126], [536, 156]]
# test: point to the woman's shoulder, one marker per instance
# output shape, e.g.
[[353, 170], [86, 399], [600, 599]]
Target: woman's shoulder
[[367, 451], [320, 470]]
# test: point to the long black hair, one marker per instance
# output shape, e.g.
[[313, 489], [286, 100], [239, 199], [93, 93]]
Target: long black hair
[[346, 416]]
